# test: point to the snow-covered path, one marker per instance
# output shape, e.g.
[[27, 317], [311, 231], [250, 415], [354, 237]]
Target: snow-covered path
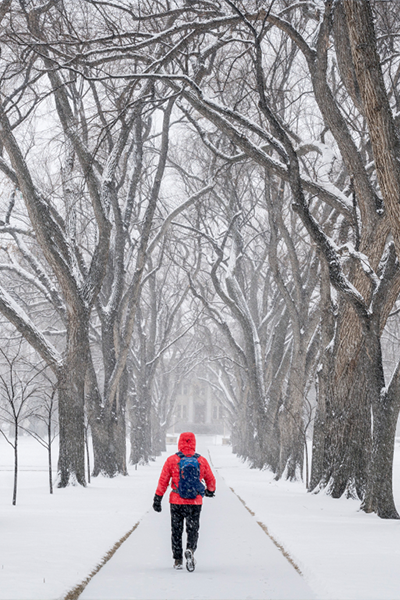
[[50, 543], [235, 560]]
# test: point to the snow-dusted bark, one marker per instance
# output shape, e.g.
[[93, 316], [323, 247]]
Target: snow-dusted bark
[[304, 320]]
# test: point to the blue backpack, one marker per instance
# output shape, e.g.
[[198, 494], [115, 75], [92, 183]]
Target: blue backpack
[[189, 477]]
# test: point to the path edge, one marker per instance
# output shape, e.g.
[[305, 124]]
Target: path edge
[[261, 524], [76, 591]]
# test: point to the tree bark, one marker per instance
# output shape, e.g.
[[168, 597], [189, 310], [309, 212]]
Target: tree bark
[[15, 486], [379, 493], [140, 413], [71, 462], [377, 111], [324, 380], [280, 362], [108, 429], [49, 456], [347, 425], [291, 422]]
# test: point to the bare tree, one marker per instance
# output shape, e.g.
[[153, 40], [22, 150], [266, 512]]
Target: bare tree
[[46, 414], [20, 391]]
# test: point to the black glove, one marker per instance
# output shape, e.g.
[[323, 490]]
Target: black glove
[[157, 503], [209, 494]]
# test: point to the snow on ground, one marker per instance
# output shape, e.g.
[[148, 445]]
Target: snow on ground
[[236, 560], [49, 544], [343, 553]]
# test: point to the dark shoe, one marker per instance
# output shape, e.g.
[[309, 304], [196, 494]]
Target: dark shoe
[[178, 564], [190, 562]]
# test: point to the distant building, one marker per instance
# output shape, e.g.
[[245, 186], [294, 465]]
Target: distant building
[[197, 409]]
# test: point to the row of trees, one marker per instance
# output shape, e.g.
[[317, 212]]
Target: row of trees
[[27, 403], [215, 182]]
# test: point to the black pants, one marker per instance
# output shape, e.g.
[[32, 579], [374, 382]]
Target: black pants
[[180, 512]]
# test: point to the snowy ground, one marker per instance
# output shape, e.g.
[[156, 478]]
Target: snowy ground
[[49, 544]]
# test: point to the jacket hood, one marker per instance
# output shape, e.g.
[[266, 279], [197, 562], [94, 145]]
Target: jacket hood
[[187, 443]]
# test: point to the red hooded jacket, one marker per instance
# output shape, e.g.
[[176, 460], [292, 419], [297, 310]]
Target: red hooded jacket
[[170, 471]]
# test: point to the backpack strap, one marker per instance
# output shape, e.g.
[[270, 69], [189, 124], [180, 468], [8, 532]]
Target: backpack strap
[[181, 455]]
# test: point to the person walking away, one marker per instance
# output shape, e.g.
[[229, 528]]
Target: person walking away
[[186, 471]]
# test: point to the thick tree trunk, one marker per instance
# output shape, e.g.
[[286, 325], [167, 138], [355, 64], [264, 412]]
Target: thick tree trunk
[[108, 436], [255, 418], [119, 430], [348, 429], [379, 491], [240, 427], [253, 431], [376, 108], [385, 407], [71, 462], [342, 430], [324, 375], [291, 455], [279, 363], [354, 453], [109, 446], [321, 442], [159, 437], [342, 436], [140, 427], [291, 425], [242, 434], [273, 443], [107, 425]]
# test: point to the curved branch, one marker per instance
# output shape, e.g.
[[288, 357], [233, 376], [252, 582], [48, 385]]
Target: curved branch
[[10, 309]]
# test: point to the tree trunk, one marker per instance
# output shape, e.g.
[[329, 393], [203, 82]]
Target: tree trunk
[[348, 429], [324, 375], [108, 431], [49, 456], [71, 462], [109, 443], [379, 493], [159, 436], [291, 426], [279, 362], [376, 108], [119, 429], [379, 490], [342, 430], [14, 500], [87, 453], [255, 417], [140, 426], [320, 433], [248, 449]]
